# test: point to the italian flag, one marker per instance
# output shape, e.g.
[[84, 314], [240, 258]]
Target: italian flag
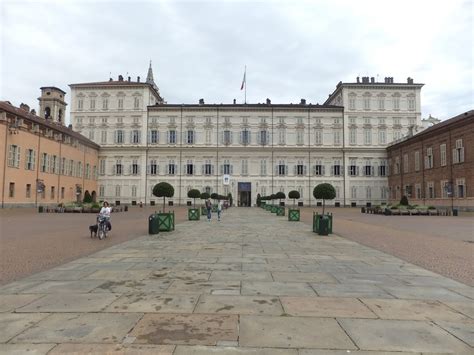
[[243, 80]]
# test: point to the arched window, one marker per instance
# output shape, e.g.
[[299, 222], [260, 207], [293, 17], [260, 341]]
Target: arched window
[[47, 113]]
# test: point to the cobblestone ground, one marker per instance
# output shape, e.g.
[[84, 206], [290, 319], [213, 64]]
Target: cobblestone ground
[[253, 283]]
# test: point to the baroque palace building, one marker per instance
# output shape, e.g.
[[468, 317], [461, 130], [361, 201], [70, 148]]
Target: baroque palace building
[[244, 149], [44, 162]]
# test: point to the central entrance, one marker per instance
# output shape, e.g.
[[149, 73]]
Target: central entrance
[[244, 191]]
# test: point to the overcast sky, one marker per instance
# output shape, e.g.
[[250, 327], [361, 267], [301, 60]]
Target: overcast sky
[[292, 49]]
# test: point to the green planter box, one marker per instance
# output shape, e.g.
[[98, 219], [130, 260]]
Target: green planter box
[[280, 211], [274, 209], [262, 204], [203, 210], [317, 220], [193, 214], [293, 215], [268, 207], [166, 221]]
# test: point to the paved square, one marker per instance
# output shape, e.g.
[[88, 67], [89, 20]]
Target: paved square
[[253, 283]]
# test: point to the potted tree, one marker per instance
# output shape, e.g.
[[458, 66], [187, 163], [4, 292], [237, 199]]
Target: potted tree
[[322, 224], [294, 213], [165, 220], [281, 205], [204, 197], [193, 213]]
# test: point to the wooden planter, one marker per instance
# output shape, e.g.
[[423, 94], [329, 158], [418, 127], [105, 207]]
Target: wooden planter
[[166, 221], [293, 214], [316, 219], [193, 214], [280, 211]]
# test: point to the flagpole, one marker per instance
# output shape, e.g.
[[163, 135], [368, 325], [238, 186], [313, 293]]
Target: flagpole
[[245, 101]]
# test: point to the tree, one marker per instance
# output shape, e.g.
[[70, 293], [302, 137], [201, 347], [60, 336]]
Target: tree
[[280, 195], [324, 192], [163, 189], [214, 196], [294, 195], [194, 194], [403, 201], [205, 196], [87, 197]]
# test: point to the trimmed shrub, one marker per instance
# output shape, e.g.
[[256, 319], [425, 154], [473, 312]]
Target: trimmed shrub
[[324, 192], [205, 196], [294, 195], [404, 201], [280, 195], [194, 194], [163, 189]]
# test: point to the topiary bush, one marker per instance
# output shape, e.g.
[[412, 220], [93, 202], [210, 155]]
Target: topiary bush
[[194, 194], [294, 195], [324, 192], [205, 196], [404, 201], [87, 197], [214, 196], [280, 195], [163, 189]]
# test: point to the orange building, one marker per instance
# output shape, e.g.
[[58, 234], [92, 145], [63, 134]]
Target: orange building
[[42, 161]]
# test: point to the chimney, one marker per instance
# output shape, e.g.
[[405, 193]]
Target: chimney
[[269, 102], [358, 80], [303, 102], [201, 101], [234, 101], [138, 79], [409, 80], [372, 80], [25, 107], [110, 79], [129, 79], [120, 78]]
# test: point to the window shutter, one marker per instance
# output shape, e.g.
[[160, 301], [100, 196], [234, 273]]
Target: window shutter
[[461, 153], [231, 169], [33, 159], [231, 137], [276, 170], [241, 139], [194, 169], [195, 137], [286, 169], [112, 171], [372, 171], [294, 169], [212, 169], [131, 137], [323, 170], [249, 137], [222, 169], [26, 159], [426, 163], [203, 169], [148, 137], [148, 169], [267, 137], [304, 170], [357, 171], [138, 169]]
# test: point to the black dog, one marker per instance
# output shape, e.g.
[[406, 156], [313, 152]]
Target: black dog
[[93, 229]]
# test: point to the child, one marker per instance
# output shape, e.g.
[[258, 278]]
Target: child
[[219, 210]]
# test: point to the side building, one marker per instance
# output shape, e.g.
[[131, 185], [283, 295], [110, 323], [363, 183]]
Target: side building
[[43, 162], [435, 167], [375, 114]]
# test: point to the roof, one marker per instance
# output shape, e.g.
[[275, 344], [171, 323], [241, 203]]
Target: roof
[[466, 116], [340, 85], [52, 87], [7, 107], [117, 83], [250, 106]]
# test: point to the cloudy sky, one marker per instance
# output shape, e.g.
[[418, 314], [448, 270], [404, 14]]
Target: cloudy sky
[[292, 49]]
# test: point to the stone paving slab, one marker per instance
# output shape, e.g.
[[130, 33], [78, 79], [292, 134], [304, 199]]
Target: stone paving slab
[[251, 284]]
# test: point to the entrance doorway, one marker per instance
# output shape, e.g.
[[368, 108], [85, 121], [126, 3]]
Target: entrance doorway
[[244, 192]]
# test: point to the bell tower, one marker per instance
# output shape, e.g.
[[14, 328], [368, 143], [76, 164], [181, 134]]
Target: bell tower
[[52, 106]]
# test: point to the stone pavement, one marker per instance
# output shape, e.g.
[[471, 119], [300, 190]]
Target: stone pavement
[[253, 283]]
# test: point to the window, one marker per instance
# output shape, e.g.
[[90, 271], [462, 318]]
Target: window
[[281, 168], [88, 171], [30, 159], [367, 136], [300, 169], [208, 168], [458, 152], [396, 103], [135, 168], [405, 163], [352, 136], [300, 137], [28, 190], [263, 167], [227, 137], [381, 103], [190, 137], [367, 121], [120, 104], [79, 169], [105, 104], [381, 121], [411, 104], [354, 192], [117, 190], [226, 168], [281, 136], [417, 160], [53, 164], [382, 136], [336, 169], [136, 103], [430, 189], [102, 167], [153, 136], [44, 163], [101, 190], [118, 167], [444, 187], [366, 102], [71, 168], [172, 137], [153, 167], [189, 168], [383, 168], [94, 172], [245, 137], [460, 188], [337, 137], [418, 191], [135, 136], [11, 190], [103, 137], [245, 167], [52, 192], [263, 137], [208, 136], [92, 104], [91, 135], [319, 168], [429, 158], [368, 168], [119, 136], [14, 156], [442, 150], [383, 192], [397, 134], [134, 191], [63, 166], [352, 103], [104, 120], [318, 137], [171, 168], [353, 168], [80, 104]]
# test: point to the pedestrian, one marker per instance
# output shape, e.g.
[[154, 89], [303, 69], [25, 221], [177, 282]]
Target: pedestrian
[[219, 210], [209, 208]]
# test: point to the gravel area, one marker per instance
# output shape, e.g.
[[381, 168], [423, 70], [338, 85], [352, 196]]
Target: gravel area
[[31, 242], [444, 245]]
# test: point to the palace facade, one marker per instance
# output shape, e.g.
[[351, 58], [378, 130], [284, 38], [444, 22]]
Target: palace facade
[[244, 149]]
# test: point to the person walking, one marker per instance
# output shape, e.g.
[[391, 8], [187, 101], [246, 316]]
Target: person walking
[[219, 210], [209, 208]]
